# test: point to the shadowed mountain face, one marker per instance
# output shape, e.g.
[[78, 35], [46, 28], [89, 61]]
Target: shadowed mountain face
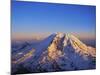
[[58, 52]]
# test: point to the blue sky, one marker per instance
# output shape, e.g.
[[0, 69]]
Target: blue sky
[[34, 17]]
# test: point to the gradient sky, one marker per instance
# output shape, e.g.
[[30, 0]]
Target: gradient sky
[[34, 17]]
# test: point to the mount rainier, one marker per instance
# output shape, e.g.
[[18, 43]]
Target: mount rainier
[[58, 52]]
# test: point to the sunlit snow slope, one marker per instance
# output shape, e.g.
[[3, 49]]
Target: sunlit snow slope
[[58, 52]]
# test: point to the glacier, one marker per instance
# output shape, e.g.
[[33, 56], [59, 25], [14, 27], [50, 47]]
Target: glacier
[[58, 52]]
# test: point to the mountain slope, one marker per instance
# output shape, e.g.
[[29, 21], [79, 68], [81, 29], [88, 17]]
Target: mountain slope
[[67, 50], [58, 52], [81, 47]]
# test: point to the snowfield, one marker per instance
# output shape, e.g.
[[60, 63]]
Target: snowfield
[[58, 52]]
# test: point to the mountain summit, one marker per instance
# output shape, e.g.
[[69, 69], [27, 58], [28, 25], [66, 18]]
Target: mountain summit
[[61, 41], [58, 52]]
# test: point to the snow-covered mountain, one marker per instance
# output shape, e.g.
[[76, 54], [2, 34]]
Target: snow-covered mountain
[[58, 52]]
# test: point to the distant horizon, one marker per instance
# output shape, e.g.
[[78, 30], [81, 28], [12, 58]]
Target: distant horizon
[[36, 19], [45, 35]]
